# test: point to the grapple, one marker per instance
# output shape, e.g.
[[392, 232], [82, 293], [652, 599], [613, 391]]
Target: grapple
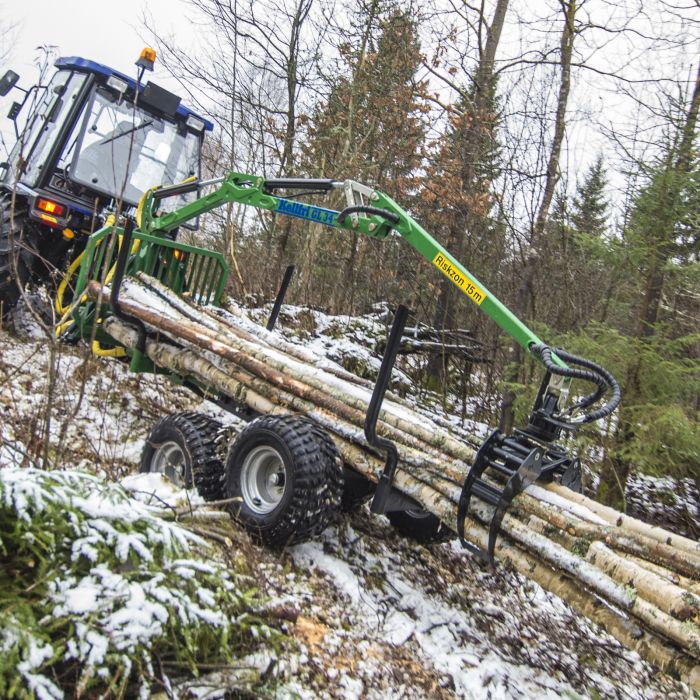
[[506, 465]]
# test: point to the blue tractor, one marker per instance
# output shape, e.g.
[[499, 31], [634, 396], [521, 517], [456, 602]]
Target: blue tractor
[[94, 141]]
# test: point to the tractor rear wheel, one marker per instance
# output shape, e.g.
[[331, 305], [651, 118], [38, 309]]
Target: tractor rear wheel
[[287, 474], [183, 447], [420, 525], [16, 255]]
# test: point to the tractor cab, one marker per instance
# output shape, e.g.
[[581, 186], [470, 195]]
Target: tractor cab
[[92, 140]]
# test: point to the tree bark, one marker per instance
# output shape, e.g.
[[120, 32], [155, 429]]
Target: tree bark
[[522, 301], [670, 598], [627, 523]]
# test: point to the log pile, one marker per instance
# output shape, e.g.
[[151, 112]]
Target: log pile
[[641, 583]]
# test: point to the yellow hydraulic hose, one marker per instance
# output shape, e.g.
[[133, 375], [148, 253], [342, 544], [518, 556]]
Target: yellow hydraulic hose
[[142, 202], [96, 348], [99, 351], [58, 303], [66, 310]]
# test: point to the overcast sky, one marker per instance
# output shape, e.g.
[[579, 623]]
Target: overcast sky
[[107, 32]]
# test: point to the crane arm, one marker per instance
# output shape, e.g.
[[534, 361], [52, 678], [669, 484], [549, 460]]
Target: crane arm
[[374, 214]]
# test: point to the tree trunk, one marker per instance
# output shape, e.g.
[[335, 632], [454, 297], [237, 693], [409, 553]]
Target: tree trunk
[[531, 263], [475, 143]]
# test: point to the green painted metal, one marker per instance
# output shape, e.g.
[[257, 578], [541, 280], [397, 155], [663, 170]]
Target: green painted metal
[[171, 262], [168, 261], [248, 190], [236, 187]]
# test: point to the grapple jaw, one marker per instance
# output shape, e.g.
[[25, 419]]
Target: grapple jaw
[[511, 463]]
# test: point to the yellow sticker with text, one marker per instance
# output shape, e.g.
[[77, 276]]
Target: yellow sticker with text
[[447, 267]]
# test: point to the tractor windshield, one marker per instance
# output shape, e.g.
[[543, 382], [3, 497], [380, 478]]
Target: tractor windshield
[[123, 150]]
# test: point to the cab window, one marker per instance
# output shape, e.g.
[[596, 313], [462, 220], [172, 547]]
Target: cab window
[[47, 124]]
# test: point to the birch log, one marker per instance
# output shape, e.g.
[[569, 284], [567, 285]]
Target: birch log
[[669, 597], [646, 572], [627, 523], [297, 378]]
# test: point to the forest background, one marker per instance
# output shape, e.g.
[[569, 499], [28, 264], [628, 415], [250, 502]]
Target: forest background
[[550, 145]]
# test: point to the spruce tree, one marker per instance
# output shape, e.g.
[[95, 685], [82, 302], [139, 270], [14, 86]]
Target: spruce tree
[[590, 206], [657, 228], [458, 197], [370, 128], [574, 276]]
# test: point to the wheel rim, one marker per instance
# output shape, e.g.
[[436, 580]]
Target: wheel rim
[[263, 479], [169, 460]]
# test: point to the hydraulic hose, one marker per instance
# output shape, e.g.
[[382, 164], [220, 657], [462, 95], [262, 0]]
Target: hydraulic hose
[[64, 323], [375, 211], [59, 304], [592, 372]]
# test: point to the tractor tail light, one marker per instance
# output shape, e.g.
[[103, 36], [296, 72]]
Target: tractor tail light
[[50, 207]]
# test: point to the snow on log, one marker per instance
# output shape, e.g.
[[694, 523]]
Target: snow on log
[[616, 519], [569, 544]]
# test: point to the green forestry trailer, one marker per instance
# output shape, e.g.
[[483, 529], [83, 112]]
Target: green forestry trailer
[[268, 462]]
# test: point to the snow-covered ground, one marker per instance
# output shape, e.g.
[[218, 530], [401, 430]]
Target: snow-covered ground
[[376, 616], [373, 615], [671, 503]]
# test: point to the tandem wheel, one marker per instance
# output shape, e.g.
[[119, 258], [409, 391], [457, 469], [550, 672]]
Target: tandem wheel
[[286, 472], [184, 448]]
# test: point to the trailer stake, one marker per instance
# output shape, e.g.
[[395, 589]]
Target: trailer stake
[[381, 495]]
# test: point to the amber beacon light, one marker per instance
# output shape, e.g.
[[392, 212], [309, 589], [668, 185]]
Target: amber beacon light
[[147, 58]]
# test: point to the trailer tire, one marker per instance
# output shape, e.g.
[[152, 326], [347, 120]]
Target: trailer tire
[[287, 474], [15, 268], [420, 525], [183, 447]]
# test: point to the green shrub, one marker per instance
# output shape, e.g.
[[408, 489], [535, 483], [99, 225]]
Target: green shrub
[[665, 439], [98, 593]]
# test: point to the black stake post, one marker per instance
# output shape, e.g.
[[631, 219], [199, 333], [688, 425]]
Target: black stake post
[[119, 271], [280, 297], [381, 495]]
